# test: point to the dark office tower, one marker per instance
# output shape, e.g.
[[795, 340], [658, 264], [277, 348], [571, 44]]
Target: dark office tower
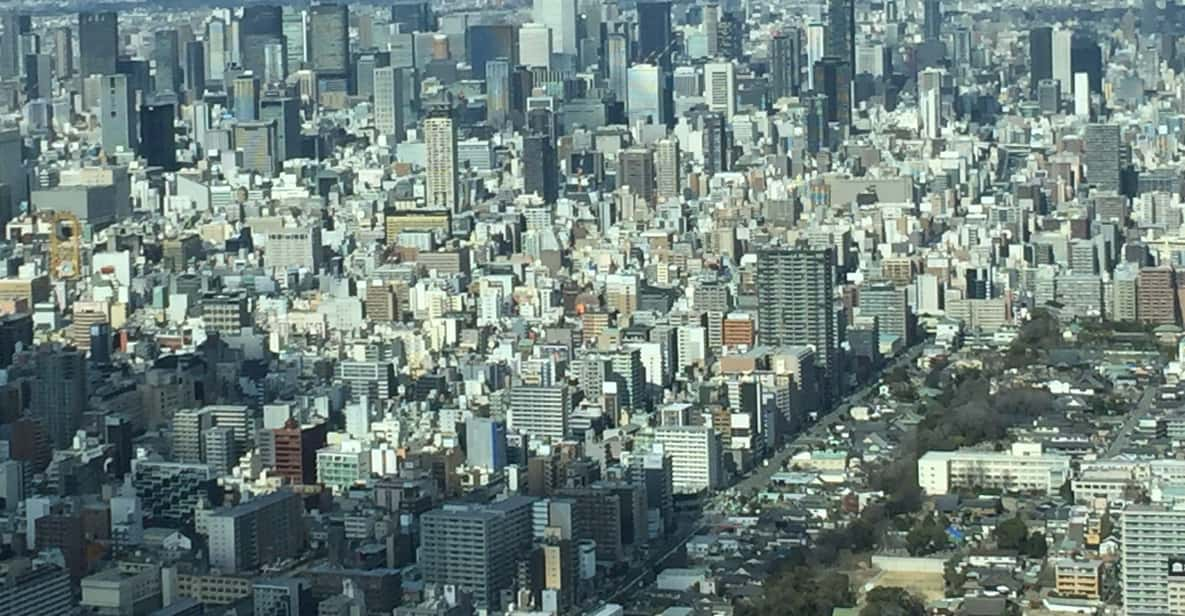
[[38, 76], [716, 144], [117, 104], [485, 43], [158, 143], [98, 43], [15, 26], [542, 122], [59, 393], [259, 27], [635, 170], [167, 56], [285, 110], [815, 119], [63, 47], [654, 33], [540, 168], [330, 52], [833, 78], [933, 23], [244, 97], [1087, 57], [730, 38], [498, 92], [796, 306], [195, 69], [412, 15], [100, 343], [1040, 56], [1103, 156], [16, 331], [785, 63], [1151, 18], [841, 30]]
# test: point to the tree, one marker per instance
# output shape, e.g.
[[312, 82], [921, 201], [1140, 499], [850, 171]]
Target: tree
[[1011, 534], [1035, 546], [926, 537], [892, 601]]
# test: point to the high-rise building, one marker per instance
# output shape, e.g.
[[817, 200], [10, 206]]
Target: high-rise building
[[265, 529], [485, 443], [216, 59], [1156, 295], [1087, 57], [474, 547], [485, 43], [932, 27], [63, 46], [1061, 60], [890, 307], [785, 63], [1040, 56], [540, 411], [695, 457], [38, 76], [1102, 156], [562, 17], [534, 45], [16, 331], [796, 306], [296, 37], [645, 102], [541, 172], [440, 143], [195, 68], [711, 28], [412, 15], [668, 169], [167, 57], [259, 27], [12, 170], [285, 112], [158, 144], [15, 26], [841, 30], [497, 76], [654, 33], [256, 140], [388, 101], [833, 78], [930, 102], [1152, 578], [635, 171], [59, 392], [98, 40], [294, 448], [720, 88], [120, 126], [329, 38], [617, 65], [244, 97]]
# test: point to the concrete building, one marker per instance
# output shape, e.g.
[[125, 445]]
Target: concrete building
[[695, 453], [1023, 469], [263, 530]]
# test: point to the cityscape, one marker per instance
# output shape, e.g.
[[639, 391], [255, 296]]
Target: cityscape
[[592, 308]]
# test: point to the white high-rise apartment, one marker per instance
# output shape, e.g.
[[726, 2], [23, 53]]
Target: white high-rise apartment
[[560, 16], [534, 45], [1062, 39], [695, 456], [1153, 577], [440, 144], [720, 88]]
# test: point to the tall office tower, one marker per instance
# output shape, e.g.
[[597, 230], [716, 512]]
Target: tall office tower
[[1082, 95], [796, 306], [442, 188], [486, 43], [485, 443], [59, 393], [259, 27], [833, 78], [686, 82], [816, 48], [717, 144], [1156, 296], [12, 169], [635, 170], [540, 411], [1151, 17], [216, 59], [1040, 56], [695, 453], [541, 170], [497, 75], [388, 101], [38, 76], [617, 62], [167, 57], [296, 38], [654, 33], [930, 102], [961, 49], [98, 41], [1049, 95], [889, 305], [711, 27], [720, 88], [561, 16], [534, 45], [244, 97], [275, 63], [1103, 156], [1061, 60], [195, 69], [933, 20], [1087, 57], [15, 329], [785, 63], [285, 111], [645, 100], [841, 30], [732, 36], [15, 26], [329, 40], [257, 142], [117, 103], [63, 48], [412, 15], [1151, 560], [668, 170], [259, 531], [475, 546], [158, 143]]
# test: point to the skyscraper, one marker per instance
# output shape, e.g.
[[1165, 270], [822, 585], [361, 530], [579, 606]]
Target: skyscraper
[[645, 100], [262, 530], [561, 17], [59, 392], [540, 411], [841, 30], [497, 75], [485, 443], [785, 63], [796, 306], [1103, 156], [485, 43], [215, 50], [296, 37], [534, 45], [540, 167], [167, 57], [1087, 57], [440, 142], [15, 26], [63, 45], [195, 69], [330, 40], [833, 78], [120, 126], [617, 65], [158, 144], [932, 28], [1040, 56], [654, 33], [1061, 59], [668, 169], [388, 101], [412, 15], [244, 97], [256, 140], [98, 39], [259, 27], [1150, 557], [635, 170], [720, 88]]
